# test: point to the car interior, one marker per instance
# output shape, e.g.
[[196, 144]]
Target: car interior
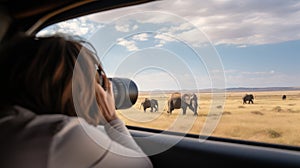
[[181, 149]]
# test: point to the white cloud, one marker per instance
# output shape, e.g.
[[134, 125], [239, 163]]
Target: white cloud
[[125, 27], [163, 39], [184, 32], [141, 37], [181, 28], [79, 26], [249, 22], [130, 45], [122, 28], [242, 23]]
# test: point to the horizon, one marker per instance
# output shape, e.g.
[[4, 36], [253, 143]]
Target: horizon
[[237, 88]]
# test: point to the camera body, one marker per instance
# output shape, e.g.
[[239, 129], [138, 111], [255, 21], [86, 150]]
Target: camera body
[[125, 92]]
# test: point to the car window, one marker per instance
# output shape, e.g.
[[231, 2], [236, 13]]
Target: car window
[[220, 68]]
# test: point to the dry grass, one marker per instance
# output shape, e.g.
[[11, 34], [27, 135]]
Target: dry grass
[[269, 119]]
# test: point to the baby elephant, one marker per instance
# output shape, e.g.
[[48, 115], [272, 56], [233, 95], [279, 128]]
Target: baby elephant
[[150, 103]]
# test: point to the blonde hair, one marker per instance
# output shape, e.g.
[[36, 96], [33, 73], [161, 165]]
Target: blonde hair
[[39, 75]]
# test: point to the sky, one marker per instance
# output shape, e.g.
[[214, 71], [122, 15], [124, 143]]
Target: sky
[[188, 44]]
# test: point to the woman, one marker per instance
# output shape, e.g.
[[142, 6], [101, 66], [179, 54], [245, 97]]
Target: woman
[[54, 94]]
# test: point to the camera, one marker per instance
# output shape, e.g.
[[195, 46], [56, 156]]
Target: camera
[[125, 92]]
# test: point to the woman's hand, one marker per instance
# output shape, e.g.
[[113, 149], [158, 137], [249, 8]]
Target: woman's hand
[[106, 102]]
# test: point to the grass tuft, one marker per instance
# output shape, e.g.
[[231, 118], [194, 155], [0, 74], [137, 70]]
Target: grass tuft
[[257, 113], [277, 109], [273, 133], [226, 113]]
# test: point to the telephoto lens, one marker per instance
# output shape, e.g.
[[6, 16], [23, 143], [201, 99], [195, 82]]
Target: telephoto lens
[[125, 92]]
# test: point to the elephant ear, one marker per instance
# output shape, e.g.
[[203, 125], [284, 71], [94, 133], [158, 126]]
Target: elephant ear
[[186, 98]]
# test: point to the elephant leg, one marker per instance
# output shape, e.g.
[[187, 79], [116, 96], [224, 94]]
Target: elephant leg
[[171, 107], [184, 110], [193, 106], [196, 109], [145, 109], [171, 110], [151, 109]]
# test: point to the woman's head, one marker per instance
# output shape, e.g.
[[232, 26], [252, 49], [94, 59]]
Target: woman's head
[[39, 74]]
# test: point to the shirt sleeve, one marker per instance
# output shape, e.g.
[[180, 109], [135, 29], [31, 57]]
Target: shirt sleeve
[[118, 132], [81, 145]]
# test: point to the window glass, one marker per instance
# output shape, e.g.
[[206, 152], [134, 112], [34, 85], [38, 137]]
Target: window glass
[[239, 59]]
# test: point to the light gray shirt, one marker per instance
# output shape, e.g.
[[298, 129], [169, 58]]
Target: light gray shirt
[[54, 141]]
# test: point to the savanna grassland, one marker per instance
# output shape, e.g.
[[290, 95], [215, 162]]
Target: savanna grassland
[[270, 119]]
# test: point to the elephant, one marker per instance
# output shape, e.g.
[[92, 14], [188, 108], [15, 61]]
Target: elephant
[[176, 101], [248, 98], [194, 103], [150, 103]]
